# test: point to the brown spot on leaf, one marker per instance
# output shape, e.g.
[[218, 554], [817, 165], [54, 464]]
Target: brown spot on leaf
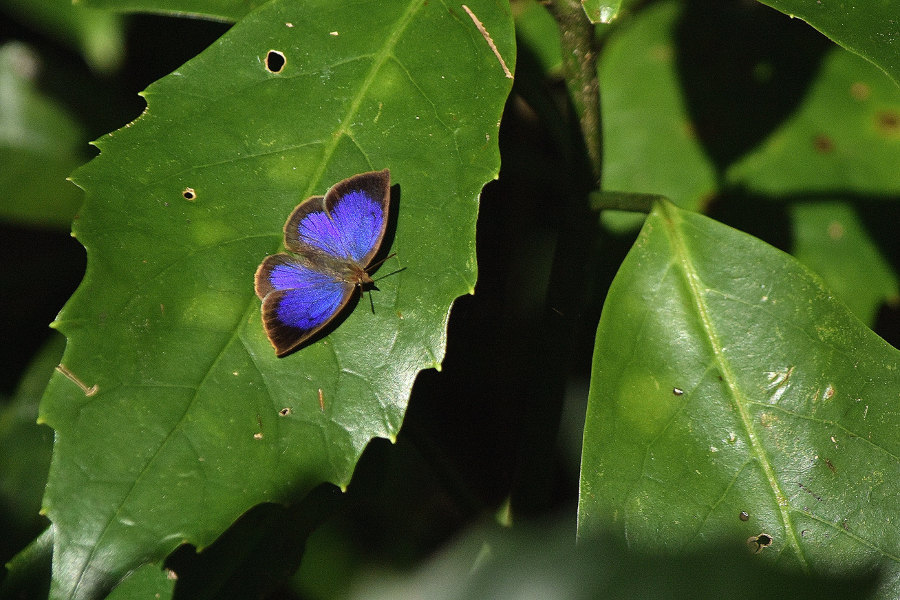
[[835, 230], [823, 144], [888, 123], [860, 90]]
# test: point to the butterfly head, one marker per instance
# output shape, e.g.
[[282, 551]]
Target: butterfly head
[[358, 276]]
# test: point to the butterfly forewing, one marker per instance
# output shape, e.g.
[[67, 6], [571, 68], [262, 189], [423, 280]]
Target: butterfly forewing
[[347, 223]]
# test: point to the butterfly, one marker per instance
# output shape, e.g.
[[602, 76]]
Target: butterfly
[[336, 237]]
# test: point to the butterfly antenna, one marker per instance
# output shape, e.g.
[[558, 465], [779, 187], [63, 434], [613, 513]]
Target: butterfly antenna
[[375, 264], [391, 273]]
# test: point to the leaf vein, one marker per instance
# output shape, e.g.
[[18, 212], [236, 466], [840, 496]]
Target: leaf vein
[[739, 401]]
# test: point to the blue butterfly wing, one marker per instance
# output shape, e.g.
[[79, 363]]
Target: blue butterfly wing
[[298, 301], [348, 223], [337, 235]]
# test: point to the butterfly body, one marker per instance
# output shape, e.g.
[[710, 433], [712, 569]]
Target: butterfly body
[[335, 238]]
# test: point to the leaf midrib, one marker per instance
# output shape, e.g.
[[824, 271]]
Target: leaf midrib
[[380, 57], [683, 260]]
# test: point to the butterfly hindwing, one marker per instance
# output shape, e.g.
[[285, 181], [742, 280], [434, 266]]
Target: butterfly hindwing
[[347, 223], [297, 301]]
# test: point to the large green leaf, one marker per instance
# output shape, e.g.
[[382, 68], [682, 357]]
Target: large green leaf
[[870, 29], [176, 416], [224, 10], [727, 380]]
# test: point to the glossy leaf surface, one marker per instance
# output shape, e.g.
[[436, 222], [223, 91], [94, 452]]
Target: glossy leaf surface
[[601, 11], [870, 29], [728, 380], [177, 416]]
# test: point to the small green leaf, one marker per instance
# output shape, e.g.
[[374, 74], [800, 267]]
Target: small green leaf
[[175, 415], [40, 144], [538, 32], [831, 239], [728, 380], [649, 142], [870, 29], [601, 11], [26, 445], [97, 34]]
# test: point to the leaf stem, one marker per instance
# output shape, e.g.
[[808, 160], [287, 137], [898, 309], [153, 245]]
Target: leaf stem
[[580, 70], [630, 201]]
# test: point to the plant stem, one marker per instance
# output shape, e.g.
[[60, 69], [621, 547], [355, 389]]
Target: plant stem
[[580, 70], [630, 201]]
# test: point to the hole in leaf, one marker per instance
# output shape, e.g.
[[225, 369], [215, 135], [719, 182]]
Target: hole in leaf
[[189, 194], [758, 542], [275, 61]]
